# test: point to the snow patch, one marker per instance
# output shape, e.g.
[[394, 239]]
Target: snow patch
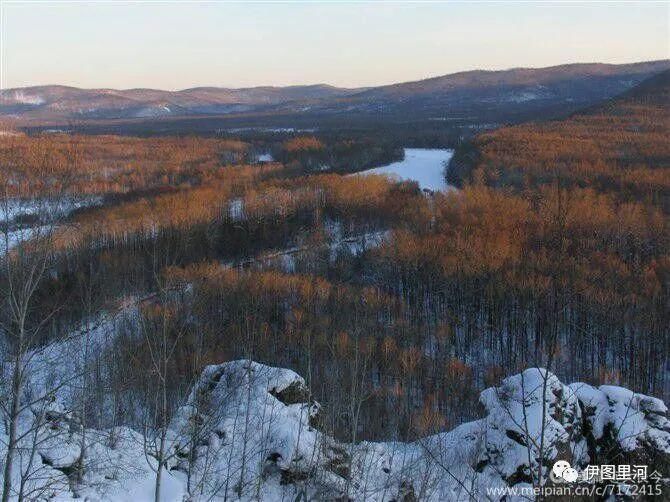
[[264, 157], [19, 96]]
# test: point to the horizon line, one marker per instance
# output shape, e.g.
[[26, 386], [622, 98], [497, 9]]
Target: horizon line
[[324, 84]]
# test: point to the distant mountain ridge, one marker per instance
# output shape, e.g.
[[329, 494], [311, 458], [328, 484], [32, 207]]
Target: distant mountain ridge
[[584, 83], [54, 101], [478, 92], [625, 134]]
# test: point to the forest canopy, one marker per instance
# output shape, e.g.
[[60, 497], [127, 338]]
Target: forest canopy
[[555, 252]]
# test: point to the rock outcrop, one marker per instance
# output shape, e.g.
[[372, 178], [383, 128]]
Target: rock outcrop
[[249, 431]]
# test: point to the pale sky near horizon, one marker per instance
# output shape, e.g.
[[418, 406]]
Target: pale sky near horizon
[[176, 45]]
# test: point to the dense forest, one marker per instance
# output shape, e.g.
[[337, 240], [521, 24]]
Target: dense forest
[[619, 149], [396, 305]]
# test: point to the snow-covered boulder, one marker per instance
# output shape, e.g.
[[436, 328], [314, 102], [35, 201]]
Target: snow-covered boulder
[[518, 440], [249, 432], [246, 422], [532, 421], [622, 426]]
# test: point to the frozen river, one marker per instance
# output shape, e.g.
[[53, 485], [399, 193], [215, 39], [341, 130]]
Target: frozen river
[[423, 165]]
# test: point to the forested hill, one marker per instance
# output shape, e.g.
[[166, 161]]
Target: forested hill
[[476, 98], [620, 148], [653, 91]]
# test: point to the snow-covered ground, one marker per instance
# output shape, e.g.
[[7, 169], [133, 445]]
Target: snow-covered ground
[[236, 209], [423, 165], [44, 209], [24, 219], [21, 97], [12, 238], [251, 432], [264, 157], [337, 244], [288, 259]]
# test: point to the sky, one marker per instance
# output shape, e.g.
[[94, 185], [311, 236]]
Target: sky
[[177, 45]]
